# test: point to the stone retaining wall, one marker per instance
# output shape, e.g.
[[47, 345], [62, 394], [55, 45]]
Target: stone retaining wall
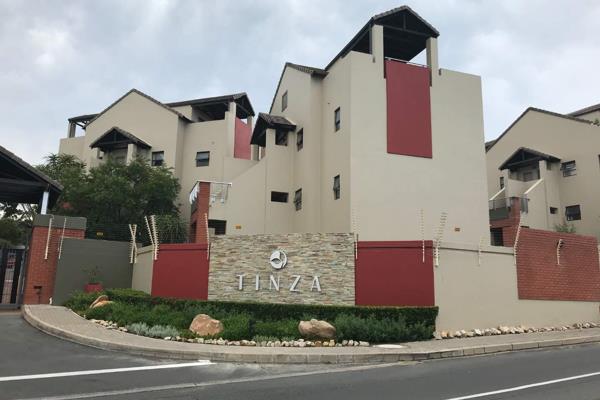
[[313, 260]]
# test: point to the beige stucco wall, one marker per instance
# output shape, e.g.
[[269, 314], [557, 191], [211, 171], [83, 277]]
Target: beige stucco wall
[[388, 190], [142, 270], [568, 140], [591, 116], [472, 296], [72, 146]]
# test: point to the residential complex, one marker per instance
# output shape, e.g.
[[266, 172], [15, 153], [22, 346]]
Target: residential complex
[[371, 144], [543, 172]]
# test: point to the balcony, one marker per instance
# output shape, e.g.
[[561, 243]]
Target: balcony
[[500, 208]]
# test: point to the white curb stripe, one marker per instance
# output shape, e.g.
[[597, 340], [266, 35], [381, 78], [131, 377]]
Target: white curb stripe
[[103, 371], [523, 387]]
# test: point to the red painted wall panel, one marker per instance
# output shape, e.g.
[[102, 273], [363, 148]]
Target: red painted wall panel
[[393, 274], [241, 147], [408, 109], [181, 271], [540, 277]]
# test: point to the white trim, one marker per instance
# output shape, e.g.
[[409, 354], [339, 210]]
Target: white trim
[[534, 186], [498, 193]]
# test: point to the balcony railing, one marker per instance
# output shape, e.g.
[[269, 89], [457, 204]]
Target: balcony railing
[[500, 208]]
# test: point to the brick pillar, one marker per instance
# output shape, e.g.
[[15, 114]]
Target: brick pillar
[[510, 224], [41, 271], [198, 220]]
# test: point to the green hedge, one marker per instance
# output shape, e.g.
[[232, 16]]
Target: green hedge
[[245, 320]]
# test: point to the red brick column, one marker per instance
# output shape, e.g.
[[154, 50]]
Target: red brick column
[[41, 271], [199, 217]]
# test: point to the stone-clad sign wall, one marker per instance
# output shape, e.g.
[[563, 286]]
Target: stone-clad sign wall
[[319, 268]]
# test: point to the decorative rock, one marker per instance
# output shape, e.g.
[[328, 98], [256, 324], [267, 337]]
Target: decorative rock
[[167, 338], [200, 340], [99, 299], [364, 344], [458, 334], [101, 303], [220, 341], [204, 325], [477, 332], [350, 342], [470, 334], [318, 329], [344, 343], [437, 336]]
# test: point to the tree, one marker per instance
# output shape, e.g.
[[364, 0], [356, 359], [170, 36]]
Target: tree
[[11, 232], [113, 193]]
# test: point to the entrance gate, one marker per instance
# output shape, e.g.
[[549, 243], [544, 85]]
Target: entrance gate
[[11, 265]]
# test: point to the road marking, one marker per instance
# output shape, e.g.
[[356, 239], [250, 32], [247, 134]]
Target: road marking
[[103, 371], [198, 385], [523, 387]]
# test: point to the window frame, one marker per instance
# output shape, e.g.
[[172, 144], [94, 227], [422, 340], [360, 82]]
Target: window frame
[[568, 168], [279, 134], [501, 182], [202, 160], [337, 119], [284, 101], [156, 162], [553, 210], [298, 199], [573, 217], [300, 139], [337, 187]]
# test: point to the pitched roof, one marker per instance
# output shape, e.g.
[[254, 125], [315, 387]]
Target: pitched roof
[[241, 99], [389, 16], [586, 110], [318, 72], [130, 137], [152, 99], [554, 114], [525, 155], [13, 168], [268, 121]]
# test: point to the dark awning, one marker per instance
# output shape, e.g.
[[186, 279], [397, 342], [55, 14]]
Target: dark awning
[[216, 107], [116, 138], [268, 121], [524, 156], [20, 182]]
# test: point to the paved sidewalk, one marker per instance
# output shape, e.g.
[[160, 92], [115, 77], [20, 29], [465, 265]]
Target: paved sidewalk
[[64, 323]]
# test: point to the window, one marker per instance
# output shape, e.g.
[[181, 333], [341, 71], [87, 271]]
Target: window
[[284, 101], [202, 158], [281, 138], [527, 176], [279, 197], [569, 168], [573, 213], [548, 166], [497, 237], [158, 158], [218, 225], [501, 182], [336, 187], [300, 139], [298, 199], [337, 119], [553, 210]]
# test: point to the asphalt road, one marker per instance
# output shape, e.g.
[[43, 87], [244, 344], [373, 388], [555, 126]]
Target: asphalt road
[[33, 366]]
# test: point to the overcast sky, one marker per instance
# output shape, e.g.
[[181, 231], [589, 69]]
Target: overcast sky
[[60, 58]]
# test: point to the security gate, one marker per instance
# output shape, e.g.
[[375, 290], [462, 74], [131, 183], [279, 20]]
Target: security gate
[[11, 265]]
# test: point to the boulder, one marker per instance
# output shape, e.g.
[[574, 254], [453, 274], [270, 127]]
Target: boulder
[[316, 329], [97, 304], [99, 299], [204, 325]]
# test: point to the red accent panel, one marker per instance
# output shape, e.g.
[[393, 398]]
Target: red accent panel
[[408, 109], [181, 271], [241, 147], [393, 274], [540, 277]]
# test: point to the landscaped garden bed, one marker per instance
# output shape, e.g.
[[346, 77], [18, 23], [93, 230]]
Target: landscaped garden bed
[[254, 324]]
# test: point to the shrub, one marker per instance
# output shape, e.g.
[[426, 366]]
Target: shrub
[[139, 328], [163, 331], [285, 328], [246, 320], [236, 327], [262, 338]]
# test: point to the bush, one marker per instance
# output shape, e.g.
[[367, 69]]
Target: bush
[[138, 328], [162, 331], [246, 320]]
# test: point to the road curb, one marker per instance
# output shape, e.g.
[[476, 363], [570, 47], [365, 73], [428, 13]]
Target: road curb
[[271, 355]]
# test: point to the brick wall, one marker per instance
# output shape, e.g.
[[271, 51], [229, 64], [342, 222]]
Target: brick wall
[[539, 277], [41, 272], [198, 220]]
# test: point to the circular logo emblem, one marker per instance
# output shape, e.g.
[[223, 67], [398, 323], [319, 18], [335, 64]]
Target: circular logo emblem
[[278, 259]]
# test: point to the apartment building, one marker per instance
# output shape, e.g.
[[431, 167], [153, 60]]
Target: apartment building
[[206, 138], [371, 143], [544, 172]]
